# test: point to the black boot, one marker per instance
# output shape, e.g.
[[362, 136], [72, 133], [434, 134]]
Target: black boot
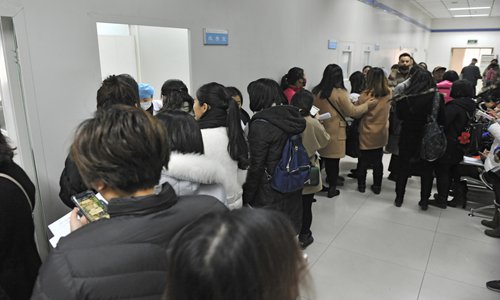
[[493, 223], [332, 192], [441, 203], [460, 197], [495, 233]]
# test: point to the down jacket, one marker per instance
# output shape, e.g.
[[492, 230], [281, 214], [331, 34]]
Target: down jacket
[[268, 132], [123, 257]]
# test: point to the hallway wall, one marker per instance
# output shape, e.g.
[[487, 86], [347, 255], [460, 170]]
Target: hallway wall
[[266, 38]]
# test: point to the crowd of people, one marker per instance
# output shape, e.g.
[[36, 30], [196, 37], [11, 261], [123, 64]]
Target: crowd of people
[[192, 211]]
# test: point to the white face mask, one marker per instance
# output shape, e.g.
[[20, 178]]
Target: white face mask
[[146, 105]]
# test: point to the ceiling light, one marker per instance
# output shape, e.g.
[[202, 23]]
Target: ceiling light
[[464, 16], [467, 8]]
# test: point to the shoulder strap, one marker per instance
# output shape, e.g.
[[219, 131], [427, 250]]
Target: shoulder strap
[[20, 186], [336, 109]]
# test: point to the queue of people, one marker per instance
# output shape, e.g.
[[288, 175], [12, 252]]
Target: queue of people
[[188, 181]]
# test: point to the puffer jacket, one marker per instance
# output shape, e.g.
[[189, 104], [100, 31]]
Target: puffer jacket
[[123, 257], [196, 174], [268, 132]]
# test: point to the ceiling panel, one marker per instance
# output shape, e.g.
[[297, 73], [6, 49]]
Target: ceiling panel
[[441, 8]]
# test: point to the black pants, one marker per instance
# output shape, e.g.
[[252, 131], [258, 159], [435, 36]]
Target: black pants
[[445, 174], [371, 157], [307, 217], [394, 164], [495, 182], [425, 171], [332, 170]]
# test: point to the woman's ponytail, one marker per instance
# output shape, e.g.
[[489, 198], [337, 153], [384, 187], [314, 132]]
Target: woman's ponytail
[[237, 146]]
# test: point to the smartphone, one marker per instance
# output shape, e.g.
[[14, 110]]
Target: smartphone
[[91, 206], [314, 110]]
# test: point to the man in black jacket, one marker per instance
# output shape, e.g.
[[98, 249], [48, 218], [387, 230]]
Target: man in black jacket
[[471, 73], [120, 153]]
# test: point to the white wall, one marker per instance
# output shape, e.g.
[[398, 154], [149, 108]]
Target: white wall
[[440, 43], [61, 59]]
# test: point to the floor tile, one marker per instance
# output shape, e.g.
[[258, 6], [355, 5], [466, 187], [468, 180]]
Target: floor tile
[[401, 244], [314, 251], [439, 288], [341, 274], [465, 260]]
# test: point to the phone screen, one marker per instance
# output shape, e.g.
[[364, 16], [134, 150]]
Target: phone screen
[[314, 110], [91, 207]]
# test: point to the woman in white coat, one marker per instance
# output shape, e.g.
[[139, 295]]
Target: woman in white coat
[[223, 138], [189, 171]]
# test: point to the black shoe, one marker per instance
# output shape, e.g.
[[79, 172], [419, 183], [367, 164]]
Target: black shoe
[[352, 175], [495, 233], [423, 204], [376, 189], [324, 189], [361, 188], [493, 285], [314, 200], [437, 204], [493, 223], [305, 240], [332, 192], [398, 202], [452, 203]]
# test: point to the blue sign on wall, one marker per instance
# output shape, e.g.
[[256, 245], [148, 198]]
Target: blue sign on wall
[[332, 44], [215, 37]]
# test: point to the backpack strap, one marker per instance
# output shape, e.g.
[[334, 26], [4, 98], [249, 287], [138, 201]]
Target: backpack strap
[[20, 187]]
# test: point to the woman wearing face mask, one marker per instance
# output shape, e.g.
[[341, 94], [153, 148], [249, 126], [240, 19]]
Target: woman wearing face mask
[[292, 82], [219, 118], [146, 93]]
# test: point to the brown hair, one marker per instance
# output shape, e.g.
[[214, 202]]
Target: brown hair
[[122, 146], [376, 83]]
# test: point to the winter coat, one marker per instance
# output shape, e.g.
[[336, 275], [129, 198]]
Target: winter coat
[[195, 174], [457, 115], [490, 162], [471, 73], [336, 126], [19, 260], [444, 87], [413, 111], [374, 124], [70, 183], [394, 123], [215, 143], [314, 138], [268, 131], [397, 77], [123, 257]]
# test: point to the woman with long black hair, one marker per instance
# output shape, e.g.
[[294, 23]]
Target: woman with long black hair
[[331, 96], [412, 108], [219, 118]]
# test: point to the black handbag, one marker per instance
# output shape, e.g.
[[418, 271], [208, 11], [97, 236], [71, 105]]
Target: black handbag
[[352, 134]]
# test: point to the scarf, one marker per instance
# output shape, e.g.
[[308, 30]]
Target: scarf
[[213, 118]]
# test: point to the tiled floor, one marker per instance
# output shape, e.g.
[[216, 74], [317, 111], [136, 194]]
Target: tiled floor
[[366, 248]]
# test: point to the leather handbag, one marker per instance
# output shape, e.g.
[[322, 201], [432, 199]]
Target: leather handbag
[[314, 176]]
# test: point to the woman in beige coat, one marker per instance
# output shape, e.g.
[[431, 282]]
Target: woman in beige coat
[[314, 138], [331, 96], [374, 129]]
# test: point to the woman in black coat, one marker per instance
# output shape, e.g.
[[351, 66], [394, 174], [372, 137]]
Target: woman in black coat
[[19, 260], [458, 113], [412, 109], [269, 129]]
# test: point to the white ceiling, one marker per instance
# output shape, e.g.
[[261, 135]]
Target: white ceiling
[[441, 8]]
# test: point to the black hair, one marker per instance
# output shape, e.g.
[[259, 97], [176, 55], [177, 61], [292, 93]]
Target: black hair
[[233, 91], [421, 81], [290, 78], [6, 152], [358, 82], [451, 76], [175, 96], [118, 89], [405, 54], [236, 255], [367, 66], [423, 65], [303, 99], [332, 78], [264, 93], [183, 132], [218, 98], [122, 146], [462, 89]]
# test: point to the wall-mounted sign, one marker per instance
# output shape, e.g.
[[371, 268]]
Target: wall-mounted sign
[[215, 37], [471, 42], [332, 44]]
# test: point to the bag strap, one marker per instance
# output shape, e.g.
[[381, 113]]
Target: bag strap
[[20, 186], [336, 109], [435, 108]]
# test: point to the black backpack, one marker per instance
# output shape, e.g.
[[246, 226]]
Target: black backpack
[[434, 140]]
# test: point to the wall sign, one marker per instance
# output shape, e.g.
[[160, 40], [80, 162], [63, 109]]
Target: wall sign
[[471, 42], [332, 44], [215, 37]]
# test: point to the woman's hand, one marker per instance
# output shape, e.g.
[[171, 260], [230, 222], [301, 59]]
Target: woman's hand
[[371, 103], [75, 222]]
